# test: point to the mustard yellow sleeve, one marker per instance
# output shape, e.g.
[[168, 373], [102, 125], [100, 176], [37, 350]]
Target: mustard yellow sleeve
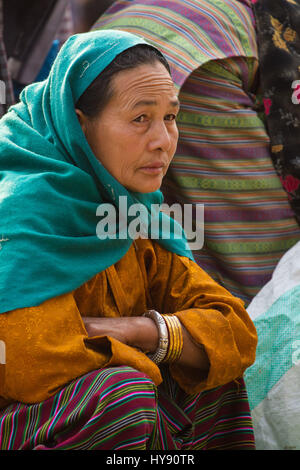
[[214, 318], [47, 346]]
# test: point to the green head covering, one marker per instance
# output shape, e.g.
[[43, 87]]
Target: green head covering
[[51, 184]]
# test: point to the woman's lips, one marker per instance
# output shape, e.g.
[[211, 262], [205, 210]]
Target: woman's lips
[[153, 168]]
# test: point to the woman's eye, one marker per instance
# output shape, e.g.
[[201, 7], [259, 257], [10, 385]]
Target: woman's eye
[[144, 118], [141, 118], [170, 117]]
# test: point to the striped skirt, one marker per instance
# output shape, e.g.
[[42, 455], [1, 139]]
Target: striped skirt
[[120, 409]]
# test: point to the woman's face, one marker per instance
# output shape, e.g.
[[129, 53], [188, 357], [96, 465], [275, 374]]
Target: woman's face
[[135, 136]]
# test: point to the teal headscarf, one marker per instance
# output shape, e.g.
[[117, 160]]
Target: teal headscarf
[[51, 184]]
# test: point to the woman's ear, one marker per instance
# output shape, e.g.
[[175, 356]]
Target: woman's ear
[[82, 118]]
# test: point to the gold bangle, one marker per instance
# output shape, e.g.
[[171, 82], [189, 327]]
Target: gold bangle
[[175, 338]]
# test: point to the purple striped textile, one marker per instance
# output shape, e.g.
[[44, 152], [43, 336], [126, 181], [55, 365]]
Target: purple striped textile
[[121, 409]]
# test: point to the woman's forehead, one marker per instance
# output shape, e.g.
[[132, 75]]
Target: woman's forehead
[[145, 84]]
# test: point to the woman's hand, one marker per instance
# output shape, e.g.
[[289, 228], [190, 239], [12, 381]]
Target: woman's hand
[[139, 332], [142, 333]]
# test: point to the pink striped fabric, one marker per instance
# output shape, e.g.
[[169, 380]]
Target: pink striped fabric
[[121, 409]]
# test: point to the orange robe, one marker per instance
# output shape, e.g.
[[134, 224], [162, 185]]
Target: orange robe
[[47, 346]]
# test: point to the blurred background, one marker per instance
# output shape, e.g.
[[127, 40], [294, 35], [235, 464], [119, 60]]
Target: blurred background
[[31, 33]]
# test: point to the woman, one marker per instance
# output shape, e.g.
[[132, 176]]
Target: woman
[[223, 158], [110, 342]]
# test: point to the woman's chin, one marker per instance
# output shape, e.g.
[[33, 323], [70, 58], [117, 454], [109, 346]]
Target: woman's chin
[[145, 190], [146, 187]]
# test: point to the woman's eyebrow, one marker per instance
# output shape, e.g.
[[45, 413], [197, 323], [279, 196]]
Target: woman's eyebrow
[[174, 103]]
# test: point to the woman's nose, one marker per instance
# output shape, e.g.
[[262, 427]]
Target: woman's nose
[[160, 138]]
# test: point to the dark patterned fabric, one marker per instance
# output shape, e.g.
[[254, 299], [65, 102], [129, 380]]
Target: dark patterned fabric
[[278, 27]]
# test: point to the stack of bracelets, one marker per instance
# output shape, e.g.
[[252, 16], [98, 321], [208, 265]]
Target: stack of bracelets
[[170, 337]]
